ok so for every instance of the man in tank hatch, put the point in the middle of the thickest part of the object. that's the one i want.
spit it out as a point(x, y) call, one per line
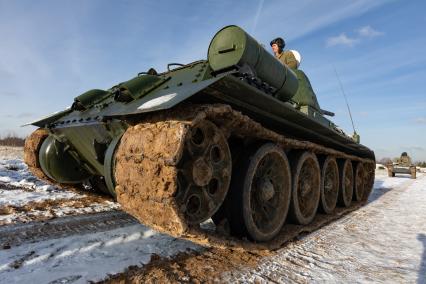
point(284, 56)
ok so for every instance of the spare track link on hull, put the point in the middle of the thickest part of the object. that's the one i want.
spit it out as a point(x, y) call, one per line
point(153, 165)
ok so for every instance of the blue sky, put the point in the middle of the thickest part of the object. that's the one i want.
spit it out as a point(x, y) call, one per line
point(52, 51)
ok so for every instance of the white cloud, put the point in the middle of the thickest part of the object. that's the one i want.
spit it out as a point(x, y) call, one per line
point(420, 120)
point(368, 31)
point(341, 39)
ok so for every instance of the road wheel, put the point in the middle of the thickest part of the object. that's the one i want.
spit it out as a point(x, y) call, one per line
point(329, 185)
point(346, 177)
point(413, 172)
point(306, 187)
point(359, 183)
point(260, 193)
point(369, 176)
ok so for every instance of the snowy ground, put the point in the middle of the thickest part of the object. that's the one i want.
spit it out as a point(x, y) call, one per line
point(24, 198)
point(385, 241)
point(80, 258)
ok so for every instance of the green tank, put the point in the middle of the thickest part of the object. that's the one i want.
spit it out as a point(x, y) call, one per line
point(403, 165)
point(238, 138)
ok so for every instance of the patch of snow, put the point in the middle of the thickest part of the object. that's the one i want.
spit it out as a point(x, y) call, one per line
point(19, 187)
point(14, 172)
point(90, 257)
point(382, 242)
point(57, 212)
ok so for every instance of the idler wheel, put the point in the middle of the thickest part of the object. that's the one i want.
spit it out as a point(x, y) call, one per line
point(329, 185)
point(260, 193)
point(346, 176)
point(306, 187)
point(359, 182)
point(204, 172)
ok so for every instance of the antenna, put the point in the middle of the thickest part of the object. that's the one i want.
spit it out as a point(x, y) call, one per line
point(355, 136)
point(346, 100)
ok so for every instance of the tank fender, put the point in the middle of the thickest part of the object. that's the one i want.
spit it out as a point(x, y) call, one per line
point(163, 99)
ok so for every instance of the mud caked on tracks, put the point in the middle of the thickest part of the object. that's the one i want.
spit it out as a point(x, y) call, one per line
point(173, 169)
point(169, 176)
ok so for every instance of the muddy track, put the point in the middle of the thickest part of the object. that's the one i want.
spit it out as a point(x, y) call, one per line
point(147, 162)
point(31, 150)
point(62, 227)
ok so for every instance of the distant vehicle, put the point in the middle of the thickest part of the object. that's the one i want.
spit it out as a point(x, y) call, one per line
point(239, 138)
point(402, 166)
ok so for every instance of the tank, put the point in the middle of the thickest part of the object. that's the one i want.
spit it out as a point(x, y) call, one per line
point(403, 165)
point(237, 138)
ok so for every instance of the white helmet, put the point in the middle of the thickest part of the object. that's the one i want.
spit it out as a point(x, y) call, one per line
point(297, 56)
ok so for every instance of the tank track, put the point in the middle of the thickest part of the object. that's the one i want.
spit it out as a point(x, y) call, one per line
point(31, 151)
point(149, 158)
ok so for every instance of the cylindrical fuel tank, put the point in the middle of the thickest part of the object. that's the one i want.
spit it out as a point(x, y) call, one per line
point(232, 46)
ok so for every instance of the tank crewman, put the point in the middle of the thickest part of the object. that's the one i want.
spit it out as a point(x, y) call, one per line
point(284, 56)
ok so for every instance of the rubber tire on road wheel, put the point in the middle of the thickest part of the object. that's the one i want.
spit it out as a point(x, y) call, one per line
point(245, 191)
point(369, 181)
point(328, 199)
point(300, 175)
point(346, 177)
point(359, 182)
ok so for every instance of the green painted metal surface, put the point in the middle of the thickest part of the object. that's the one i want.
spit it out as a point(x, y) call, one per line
point(59, 164)
point(232, 46)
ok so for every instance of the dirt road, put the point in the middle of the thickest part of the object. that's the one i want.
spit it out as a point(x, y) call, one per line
point(385, 241)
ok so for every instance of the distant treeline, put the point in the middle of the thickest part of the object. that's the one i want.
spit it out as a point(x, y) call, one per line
point(12, 140)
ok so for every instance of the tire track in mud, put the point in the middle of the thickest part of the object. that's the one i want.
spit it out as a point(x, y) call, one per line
point(16, 235)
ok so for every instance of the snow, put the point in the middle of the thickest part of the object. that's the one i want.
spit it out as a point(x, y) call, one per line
point(383, 242)
point(90, 257)
point(18, 187)
point(55, 212)
point(14, 172)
